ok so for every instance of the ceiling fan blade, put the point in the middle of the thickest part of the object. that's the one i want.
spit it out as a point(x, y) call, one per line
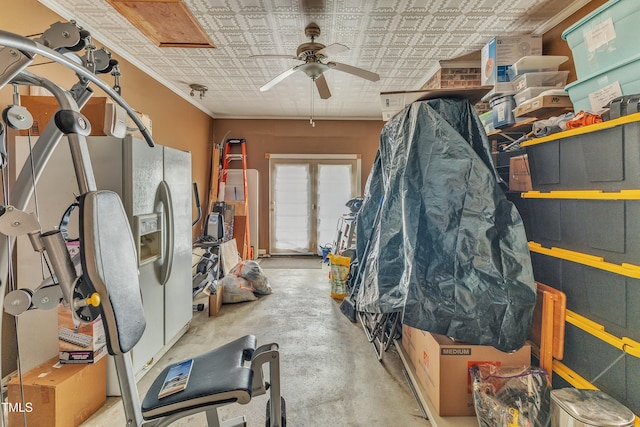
point(274, 56)
point(355, 71)
point(323, 88)
point(279, 78)
point(332, 49)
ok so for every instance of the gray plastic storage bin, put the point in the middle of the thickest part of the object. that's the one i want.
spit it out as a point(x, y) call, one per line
point(606, 228)
point(609, 299)
point(606, 159)
point(502, 108)
point(571, 407)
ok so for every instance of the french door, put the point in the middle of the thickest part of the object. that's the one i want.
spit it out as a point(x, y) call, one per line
point(307, 196)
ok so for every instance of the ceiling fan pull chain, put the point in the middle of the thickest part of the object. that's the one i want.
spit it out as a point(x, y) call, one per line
point(311, 122)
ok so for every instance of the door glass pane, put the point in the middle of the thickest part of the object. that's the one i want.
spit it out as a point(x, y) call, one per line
point(334, 190)
point(291, 197)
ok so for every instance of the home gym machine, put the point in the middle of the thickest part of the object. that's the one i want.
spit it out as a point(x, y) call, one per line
point(207, 269)
point(107, 283)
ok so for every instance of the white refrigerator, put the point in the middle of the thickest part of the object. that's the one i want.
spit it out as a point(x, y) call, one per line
point(155, 186)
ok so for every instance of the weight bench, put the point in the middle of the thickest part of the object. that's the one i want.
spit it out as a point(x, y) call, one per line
point(230, 373)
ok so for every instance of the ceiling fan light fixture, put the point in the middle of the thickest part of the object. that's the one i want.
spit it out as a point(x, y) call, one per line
point(314, 69)
point(312, 55)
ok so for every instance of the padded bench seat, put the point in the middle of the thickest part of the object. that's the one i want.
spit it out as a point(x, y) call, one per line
point(218, 376)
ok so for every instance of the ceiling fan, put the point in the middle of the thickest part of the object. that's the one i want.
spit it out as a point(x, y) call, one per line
point(314, 56)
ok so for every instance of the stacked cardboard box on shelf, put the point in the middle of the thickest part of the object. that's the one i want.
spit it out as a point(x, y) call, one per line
point(497, 57)
point(500, 53)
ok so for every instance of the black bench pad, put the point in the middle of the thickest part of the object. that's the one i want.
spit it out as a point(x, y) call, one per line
point(217, 376)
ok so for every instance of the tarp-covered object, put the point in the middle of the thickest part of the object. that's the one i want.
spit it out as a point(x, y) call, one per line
point(447, 246)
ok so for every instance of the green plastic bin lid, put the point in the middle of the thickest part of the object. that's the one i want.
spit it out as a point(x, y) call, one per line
point(592, 407)
point(589, 17)
point(609, 69)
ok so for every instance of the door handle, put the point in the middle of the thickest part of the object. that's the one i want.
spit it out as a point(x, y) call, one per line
point(167, 263)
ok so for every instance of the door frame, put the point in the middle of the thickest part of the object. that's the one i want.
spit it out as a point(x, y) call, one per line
point(308, 158)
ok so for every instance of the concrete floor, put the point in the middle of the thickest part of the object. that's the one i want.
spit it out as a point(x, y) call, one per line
point(330, 375)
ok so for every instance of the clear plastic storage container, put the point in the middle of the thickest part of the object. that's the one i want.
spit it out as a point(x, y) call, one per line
point(593, 92)
point(543, 79)
point(535, 64)
point(606, 36)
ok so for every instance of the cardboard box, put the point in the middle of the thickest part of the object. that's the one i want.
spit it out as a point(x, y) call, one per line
point(501, 52)
point(132, 128)
point(239, 230)
point(215, 302)
point(101, 112)
point(57, 395)
point(419, 358)
point(86, 344)
point(442, 369)
point(239, 207)
point(519, 173)
point(43, 108)
point(544, 106)
point(407, 344)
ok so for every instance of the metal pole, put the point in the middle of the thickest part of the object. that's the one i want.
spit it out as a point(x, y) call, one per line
point(13, 40)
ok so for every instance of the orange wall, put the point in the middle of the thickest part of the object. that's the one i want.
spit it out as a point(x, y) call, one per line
point(298, 137)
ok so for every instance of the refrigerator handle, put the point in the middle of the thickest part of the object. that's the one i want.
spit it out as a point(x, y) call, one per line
point(167, 264)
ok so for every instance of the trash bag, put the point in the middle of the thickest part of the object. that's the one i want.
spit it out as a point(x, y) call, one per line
point(511, 396)
point(254, 275)
point(448, 248)
point(236, 289)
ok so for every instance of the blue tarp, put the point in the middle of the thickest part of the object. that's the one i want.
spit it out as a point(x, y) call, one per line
point(447, 247)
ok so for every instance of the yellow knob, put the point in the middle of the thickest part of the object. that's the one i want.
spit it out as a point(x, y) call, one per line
point(515, 415)
point(94, 299)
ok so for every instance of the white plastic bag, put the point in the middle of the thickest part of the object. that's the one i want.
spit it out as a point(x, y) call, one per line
point(252, 273)
point(236, 289)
